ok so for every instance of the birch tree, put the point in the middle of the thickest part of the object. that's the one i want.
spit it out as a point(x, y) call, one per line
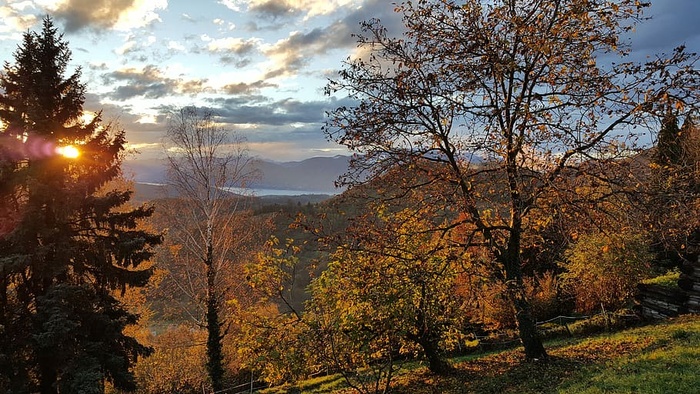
point(206, 163)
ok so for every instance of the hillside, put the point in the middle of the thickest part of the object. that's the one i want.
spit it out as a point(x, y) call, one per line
point(660, 358)
point(317, 174)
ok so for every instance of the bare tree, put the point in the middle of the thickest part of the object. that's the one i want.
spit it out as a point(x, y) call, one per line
point(521, 85)
point(206, 163)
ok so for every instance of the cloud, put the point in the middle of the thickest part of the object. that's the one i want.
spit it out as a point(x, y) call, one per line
point(106, 14)
point(233, 5)
point(289, 56)
point(150, 83)
point(127, 117)
point(224, 25)
point(176, 46)
point(127, 47)
point(235, 45)
point(296, 51)
point(272, 113)
point(243, 88)
point(284, 8)
point(98, 66)
point(272, 8)
point(232, 50)
point(13, 20)
point(135, 43)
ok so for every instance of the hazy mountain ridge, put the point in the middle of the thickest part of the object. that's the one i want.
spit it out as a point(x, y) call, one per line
point(314, 175)
point(317, 174)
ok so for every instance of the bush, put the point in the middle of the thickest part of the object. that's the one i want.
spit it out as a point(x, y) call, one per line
point(177, 364)
point(604, 269)
point(543, 293)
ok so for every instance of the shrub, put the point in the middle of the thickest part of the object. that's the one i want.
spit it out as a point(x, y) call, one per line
point(177, 364)
point(604, 269)
point(543, 293)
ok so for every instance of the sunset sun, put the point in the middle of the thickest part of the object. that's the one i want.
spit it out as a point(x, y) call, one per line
point(68, 151)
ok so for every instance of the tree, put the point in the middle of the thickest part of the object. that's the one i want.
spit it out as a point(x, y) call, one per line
point(670, 142)
point(70, 243)
point(672, 190)
point(517, 103)
point(205, 163)
point(390, 284)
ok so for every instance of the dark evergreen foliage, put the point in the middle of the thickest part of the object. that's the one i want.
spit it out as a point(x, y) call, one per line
point(669, 146)
point(66, 244)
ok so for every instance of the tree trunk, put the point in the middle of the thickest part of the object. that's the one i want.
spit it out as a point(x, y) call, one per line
point(436, 362)
point(527, 327)
point(427, 339)
point(214, 349)
point(48, 377)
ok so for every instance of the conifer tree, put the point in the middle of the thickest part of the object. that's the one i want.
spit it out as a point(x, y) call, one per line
point(669, 146)
point(672, 206)
point(66, 244)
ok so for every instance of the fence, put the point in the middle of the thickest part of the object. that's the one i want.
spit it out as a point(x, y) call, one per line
point(251, 387)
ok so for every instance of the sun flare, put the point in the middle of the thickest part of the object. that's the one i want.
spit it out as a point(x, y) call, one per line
point(68, 151)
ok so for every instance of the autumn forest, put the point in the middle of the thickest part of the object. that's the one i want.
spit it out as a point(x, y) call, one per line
point(516, 181)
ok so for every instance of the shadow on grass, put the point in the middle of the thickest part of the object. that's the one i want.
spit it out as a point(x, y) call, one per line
point(660, 358)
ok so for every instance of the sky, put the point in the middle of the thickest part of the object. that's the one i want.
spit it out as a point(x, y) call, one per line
point(261, 65)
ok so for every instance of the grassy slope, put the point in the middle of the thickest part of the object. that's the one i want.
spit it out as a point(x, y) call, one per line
point(660, 358)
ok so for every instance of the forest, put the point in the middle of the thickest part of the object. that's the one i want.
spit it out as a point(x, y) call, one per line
point(511, 185)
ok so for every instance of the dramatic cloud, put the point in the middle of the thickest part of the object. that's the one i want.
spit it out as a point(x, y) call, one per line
point(261, 64)
point(296, 51)
point(300, 49)
point(14, 21)
point(278, 113)
point(285, 8)
point(246, 89)
point(106, 14)
point(149, 83)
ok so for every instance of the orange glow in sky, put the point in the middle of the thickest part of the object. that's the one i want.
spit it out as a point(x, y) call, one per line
point(68, 151)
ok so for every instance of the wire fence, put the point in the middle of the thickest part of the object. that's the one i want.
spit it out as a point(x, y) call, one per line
point(249, 387)
point(490, 341)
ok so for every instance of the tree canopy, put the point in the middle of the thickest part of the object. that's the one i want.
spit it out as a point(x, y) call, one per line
point(514, 106)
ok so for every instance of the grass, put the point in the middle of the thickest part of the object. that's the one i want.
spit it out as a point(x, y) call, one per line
point(323, 384)
point(668, 365)
point(670, 279)
point(659, 358)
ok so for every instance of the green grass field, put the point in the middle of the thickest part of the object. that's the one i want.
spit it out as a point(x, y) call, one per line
point(659, 358)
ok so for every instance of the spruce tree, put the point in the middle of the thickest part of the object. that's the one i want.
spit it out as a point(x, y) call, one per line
point(67, 243)
point(670, 143)
point(673, 189)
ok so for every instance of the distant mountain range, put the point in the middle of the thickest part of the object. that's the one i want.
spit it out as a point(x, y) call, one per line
point(316, 175)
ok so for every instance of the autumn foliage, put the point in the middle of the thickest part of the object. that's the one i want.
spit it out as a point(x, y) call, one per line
point(499, 180)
